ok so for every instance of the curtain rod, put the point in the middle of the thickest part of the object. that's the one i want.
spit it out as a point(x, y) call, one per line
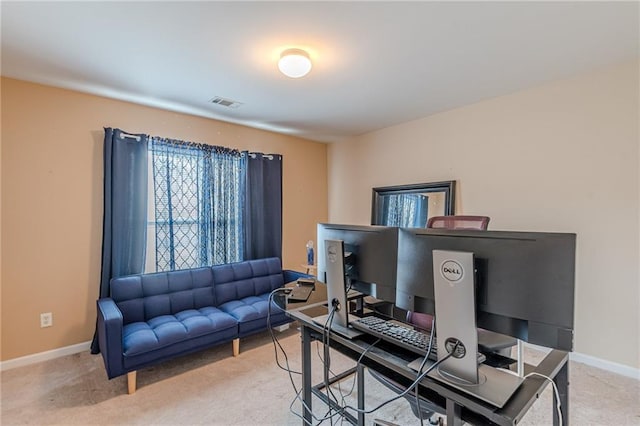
point(254, 155)
point(137, 138)
point(126, 135)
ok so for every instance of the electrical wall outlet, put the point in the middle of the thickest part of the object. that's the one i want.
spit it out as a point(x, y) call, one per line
point(46, 319)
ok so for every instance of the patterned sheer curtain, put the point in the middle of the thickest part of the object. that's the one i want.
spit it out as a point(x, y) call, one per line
point(198, 193)
point(406, 210)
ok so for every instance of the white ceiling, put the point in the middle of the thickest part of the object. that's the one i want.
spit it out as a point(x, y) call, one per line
point(376, 64)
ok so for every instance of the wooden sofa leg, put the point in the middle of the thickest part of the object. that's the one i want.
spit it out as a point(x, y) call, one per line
point(236, 347)
point(131, 382)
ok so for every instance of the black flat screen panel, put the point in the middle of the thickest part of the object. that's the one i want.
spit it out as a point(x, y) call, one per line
point(522, 278)
point(372, 257)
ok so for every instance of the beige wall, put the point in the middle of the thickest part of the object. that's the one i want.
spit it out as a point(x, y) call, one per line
point(560, 157)
point(52, 201)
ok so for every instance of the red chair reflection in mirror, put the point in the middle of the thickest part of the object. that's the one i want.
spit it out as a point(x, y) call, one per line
point(459, 222)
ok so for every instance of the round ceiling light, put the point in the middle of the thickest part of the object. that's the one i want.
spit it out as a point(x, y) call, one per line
point(294, 63)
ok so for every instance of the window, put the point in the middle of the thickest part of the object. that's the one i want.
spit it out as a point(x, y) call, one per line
point(195, 205)
point(405, 210)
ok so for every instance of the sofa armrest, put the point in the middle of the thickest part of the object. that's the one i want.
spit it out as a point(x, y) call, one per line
point(110, 324)
point(290, 275)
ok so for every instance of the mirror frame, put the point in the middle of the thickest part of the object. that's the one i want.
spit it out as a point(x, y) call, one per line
point(448, 187)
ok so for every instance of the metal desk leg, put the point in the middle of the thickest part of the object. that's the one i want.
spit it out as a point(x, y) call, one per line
point(454, 412)
point(520, 358)
point(360, 375)
point(562, 382)
point(306, 376)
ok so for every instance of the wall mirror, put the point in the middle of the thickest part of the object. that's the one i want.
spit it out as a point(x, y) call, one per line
point(412, 205)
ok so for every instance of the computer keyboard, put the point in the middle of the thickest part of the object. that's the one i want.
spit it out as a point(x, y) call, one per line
point(400, 334)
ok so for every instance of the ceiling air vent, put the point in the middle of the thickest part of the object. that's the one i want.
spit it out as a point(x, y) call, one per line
point(229, 103)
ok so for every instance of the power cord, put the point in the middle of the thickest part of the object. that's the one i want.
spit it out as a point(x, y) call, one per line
point(345, 395)
point(335, 306)
point(419, 377)
point(330, 414)
point(424, 362)
point(290, 372)
point(274, 339)
point(555, 390)
point(326, 342)
point(408, 389)
point(353, 384)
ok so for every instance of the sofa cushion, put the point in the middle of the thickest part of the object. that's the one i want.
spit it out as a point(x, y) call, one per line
point(251, 312)
point(146, 296)
point(164, 330)
point(246, 309)
point(236, 281)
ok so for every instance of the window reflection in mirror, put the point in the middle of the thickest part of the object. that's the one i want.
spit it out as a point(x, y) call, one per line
point(412, 205)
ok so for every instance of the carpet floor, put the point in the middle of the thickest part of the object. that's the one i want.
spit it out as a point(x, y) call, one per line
point(214, 388)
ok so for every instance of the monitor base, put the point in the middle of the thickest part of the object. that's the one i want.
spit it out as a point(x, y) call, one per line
point(496, 387)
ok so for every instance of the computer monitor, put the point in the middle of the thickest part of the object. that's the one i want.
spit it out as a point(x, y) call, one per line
point(333, 255)
point(524, 280)
point(371, 254)
point(337, 320)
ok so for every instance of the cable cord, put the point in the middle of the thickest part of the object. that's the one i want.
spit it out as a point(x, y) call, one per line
point(419, 377)
point(274, 339)
point(555, 390)
point(288, 369)
point(353, 384)
point(326, 361)
point(343, 396)
point(330, 414)
point(326, 337)
point(326, 342)
point(424, 362)
point(408, 389)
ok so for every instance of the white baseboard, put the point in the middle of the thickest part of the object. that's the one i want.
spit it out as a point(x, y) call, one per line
point(543, 349)
point(613, 367)
point(44, 356)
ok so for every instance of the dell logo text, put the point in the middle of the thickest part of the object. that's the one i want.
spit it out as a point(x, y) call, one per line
point(451, 271)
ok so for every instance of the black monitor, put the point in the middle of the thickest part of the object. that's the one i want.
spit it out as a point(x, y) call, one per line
point(371, 254)
point(524, 280)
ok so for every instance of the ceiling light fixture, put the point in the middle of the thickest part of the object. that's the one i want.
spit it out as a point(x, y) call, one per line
point(294, 63)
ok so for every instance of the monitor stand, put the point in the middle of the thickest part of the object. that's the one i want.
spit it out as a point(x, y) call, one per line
point(454, 289)
point(336, 291)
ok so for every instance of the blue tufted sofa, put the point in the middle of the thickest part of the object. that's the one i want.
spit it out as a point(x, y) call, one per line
point(150, 318)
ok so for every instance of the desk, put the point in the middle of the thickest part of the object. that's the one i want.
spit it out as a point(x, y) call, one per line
point(460, 407)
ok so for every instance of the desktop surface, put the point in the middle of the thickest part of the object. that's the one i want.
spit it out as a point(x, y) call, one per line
point(318, 296)
point(316, 302)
